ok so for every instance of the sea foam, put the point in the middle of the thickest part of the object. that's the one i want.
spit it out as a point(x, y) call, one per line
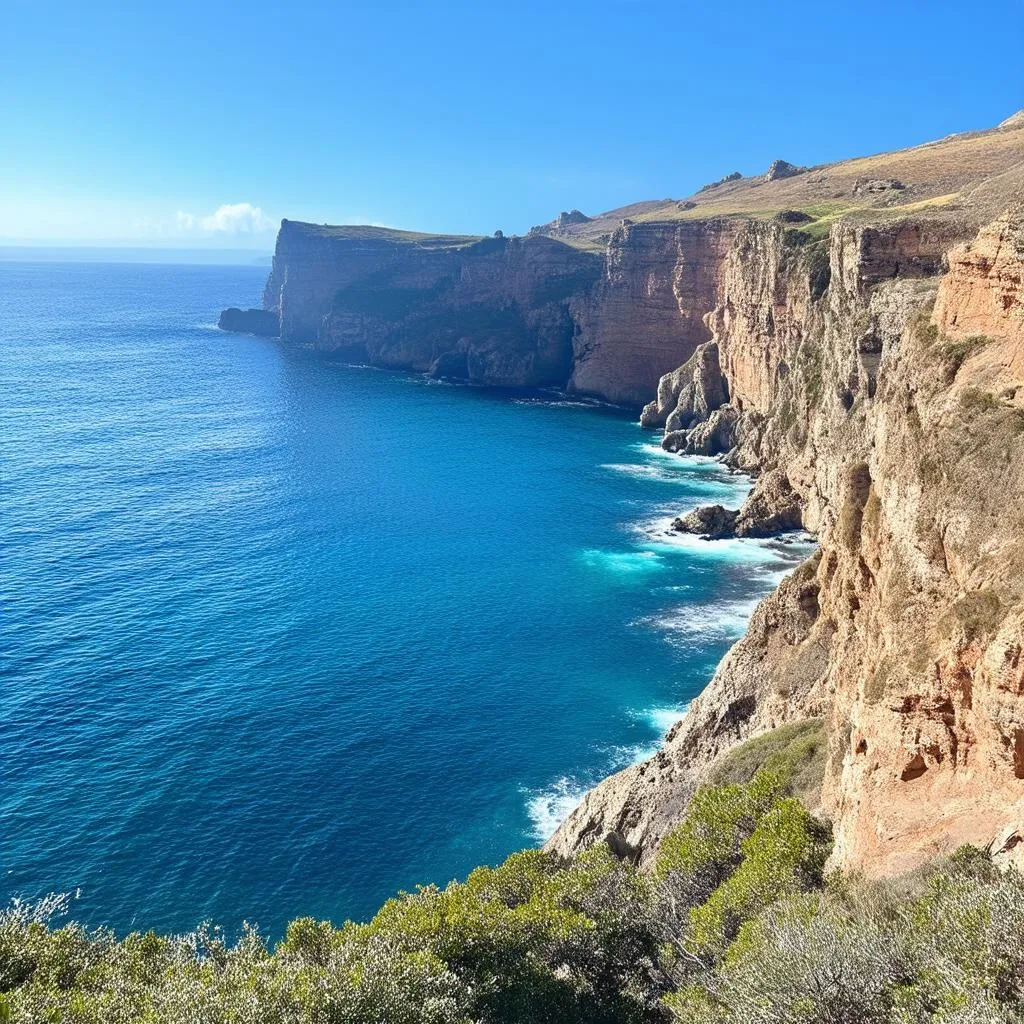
point(549, 807)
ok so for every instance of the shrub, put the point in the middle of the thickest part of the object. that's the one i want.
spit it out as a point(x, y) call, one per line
point(537, 940)
point(784, 854)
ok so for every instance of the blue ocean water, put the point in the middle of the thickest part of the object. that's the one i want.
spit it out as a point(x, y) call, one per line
point(282, 636)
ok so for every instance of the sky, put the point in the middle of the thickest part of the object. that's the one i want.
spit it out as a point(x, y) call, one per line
point(204, 123)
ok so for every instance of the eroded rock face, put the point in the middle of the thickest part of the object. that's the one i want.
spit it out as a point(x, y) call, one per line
point(646, 316)
point(690, 394)
point(897, 435)
point(984, 292)
point(495, 310)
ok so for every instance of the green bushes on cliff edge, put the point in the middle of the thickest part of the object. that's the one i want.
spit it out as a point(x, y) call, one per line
point(737, 923)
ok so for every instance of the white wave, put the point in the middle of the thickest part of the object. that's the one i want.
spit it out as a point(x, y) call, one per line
point(555, 403)
point(661, 719)
point(548, 808)
point(646, 472)
point(623, 755)
point(623, 562)
point(720, 620)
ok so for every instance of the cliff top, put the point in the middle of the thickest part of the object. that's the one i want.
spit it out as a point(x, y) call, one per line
point(971, 175)
point(372, 233)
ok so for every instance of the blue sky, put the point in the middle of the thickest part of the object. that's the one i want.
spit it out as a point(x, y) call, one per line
point(206, 122)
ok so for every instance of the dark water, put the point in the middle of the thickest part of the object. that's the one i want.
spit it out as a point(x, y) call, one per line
point(282, 636)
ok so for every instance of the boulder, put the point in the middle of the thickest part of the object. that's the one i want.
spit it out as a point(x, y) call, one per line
point(250, 321)
point(711, 522)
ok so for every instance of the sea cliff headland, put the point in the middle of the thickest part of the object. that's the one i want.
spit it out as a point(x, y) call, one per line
point(852, 333)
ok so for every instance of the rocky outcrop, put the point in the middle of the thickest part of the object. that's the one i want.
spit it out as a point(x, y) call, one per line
point(712, 522)
point(646, 315)
point(782, 169)
point(772, 508)
point(690, 394)
point(775, 674)
point(885, 411)
point(249, 321)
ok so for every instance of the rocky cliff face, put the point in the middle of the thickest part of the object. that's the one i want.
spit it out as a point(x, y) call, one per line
point(859, 344)
point(514, 311)
point(495, 310)
point(646, 315)
point(889, 393)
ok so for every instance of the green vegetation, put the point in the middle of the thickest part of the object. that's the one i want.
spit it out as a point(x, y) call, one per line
point(798, 750)
point(737, 925)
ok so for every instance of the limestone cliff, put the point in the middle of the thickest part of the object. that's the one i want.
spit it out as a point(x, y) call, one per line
point(853, 334)
point(490, 310)
point(882, 372)
point(646, 315)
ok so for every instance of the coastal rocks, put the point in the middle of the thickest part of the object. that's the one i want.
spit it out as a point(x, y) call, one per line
point(711, 522)
point(645, 318)
point(888, 436)
point(249, 321)
point(770, 677)
point(772, 508)
point(690, 394)
point(715, 436)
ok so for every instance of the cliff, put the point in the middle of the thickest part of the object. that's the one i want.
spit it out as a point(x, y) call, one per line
point(489, 310)
point(892, 402)
point(853, 334)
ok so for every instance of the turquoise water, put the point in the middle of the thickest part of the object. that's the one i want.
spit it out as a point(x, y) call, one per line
point(282, 636)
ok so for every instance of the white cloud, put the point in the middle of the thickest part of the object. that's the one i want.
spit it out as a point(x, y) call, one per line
point(184, 221)
point(233, 219)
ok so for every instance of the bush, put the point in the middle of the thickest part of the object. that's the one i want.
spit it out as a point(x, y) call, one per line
point(537, 940)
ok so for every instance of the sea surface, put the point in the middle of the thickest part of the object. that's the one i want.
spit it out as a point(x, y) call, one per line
point(282, 636)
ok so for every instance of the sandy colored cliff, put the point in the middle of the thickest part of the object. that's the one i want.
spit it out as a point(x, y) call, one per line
point(854, 335)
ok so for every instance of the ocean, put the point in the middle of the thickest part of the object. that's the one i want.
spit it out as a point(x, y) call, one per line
point(283, 636)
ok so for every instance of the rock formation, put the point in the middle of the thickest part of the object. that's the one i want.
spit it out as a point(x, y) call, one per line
point(782, 169)
point(492, 310)
point(866, 362)
point(712, 522)
point(888, 414)
point(249, 321)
